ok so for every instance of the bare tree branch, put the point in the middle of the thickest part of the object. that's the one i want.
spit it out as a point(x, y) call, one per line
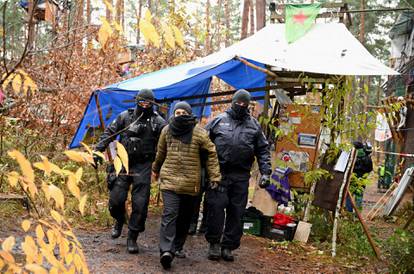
point(4, 36)
point(26, 47)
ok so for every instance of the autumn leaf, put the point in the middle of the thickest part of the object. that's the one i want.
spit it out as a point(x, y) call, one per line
point(168, 35)
point(117, 27)
point(8, 244)
point(117, 165)
point(35, 268)
point(82, 204)
point(13, 178)
point(56, 216)
point(123, 155)
point(109, 7)
point(149, 32)
point(57, 195)
point(148, 15)
point(78, 174)
point(105, 31)
point(74, 156)
point(17, 83)
point(46, 164)
point(87, 148)
point(25, 165)
point(26, 225)
point(73, 187)
point(178, 36)
point(6, 256)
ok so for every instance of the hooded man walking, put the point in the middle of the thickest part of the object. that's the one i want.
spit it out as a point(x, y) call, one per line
point(178, 165)
point(139, 129)
point(239, 139)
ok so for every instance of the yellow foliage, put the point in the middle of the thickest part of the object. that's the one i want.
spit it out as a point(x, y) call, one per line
point(123, 156)
point(13, 178)
point(168, 35)
point(25, 165)
point(17, 83)
point(26, 225)
point(105, 31)
point(178, 36)
point(74, 156)
point(7, 256)
point(20, 79)
point(82, 203)
point(59, 236)
point(56, 216)
point(148, 15)
point(73, 187)
point(57, 195)
point(117, 165)
point(8, 244)
point(78, 174)
point(149, 32)
point(109, 7)
point(35, 269)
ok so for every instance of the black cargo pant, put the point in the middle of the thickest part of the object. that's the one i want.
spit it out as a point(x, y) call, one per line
point(140, 179)
point(175, 221)
point(225, 208)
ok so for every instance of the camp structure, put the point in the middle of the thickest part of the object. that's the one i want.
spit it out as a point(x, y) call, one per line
point(326, 50)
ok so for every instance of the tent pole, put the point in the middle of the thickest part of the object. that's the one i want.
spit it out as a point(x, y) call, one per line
point(98, 106)
point(253, 66)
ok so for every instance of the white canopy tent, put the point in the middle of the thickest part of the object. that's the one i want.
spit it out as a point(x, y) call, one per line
point(326, 48)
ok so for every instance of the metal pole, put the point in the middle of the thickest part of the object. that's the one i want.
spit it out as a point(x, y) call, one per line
point(98, 106)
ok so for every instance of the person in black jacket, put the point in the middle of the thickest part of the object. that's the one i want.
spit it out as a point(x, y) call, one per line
point(239, 139)
point(139, 129)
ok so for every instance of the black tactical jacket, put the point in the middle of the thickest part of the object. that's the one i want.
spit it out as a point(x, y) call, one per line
point(140, 137)
point(238, 142)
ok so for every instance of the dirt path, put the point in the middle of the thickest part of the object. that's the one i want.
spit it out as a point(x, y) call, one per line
point(109, 256)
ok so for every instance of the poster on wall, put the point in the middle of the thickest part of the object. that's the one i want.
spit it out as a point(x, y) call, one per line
point(296, 160)
point(307, 140)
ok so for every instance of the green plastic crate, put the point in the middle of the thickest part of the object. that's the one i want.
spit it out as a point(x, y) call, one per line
point(252, 226)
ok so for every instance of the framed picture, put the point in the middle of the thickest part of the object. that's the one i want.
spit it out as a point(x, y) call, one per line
point(307, 140)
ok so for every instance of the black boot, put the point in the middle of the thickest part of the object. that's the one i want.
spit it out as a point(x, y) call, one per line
point(132, 245)
point(203, 228)
point(226, 255)
point(166, 259)
point(214, 252)
point(117, 229)
point(192, 229)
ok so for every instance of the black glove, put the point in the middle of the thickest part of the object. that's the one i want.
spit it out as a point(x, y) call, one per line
point(97, 160)
point(264, 181)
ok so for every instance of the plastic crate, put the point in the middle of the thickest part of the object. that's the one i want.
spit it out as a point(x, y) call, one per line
point(252, 226)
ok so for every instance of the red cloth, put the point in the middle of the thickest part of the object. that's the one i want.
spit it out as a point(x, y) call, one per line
point(280, 219)
point(2, 97)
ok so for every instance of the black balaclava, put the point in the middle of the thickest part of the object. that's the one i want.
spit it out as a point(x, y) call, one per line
point(181, 127)
point(144, 94)
point(239, 111)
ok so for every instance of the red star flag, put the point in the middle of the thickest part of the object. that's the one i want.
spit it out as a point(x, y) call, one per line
point(299, 19)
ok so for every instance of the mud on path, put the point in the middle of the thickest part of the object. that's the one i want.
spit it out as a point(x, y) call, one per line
point(109, 256)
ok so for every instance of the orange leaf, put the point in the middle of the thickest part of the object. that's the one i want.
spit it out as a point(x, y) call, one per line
point(25, 165)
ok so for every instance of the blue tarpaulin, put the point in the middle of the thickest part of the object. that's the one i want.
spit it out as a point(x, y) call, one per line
point(188, 79)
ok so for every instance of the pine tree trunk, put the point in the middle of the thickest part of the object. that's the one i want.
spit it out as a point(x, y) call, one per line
point(218, 27)
point(88, 22)
point(251, 18)
point(260, 14)
point(227, 22)
point(208, 34)
point(108, 12)
point(118, 10)
point(245, 18)
point(139, 18)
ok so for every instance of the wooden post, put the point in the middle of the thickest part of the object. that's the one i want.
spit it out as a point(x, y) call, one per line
point(364, 226)
point(339, 203)
point(98, 107)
